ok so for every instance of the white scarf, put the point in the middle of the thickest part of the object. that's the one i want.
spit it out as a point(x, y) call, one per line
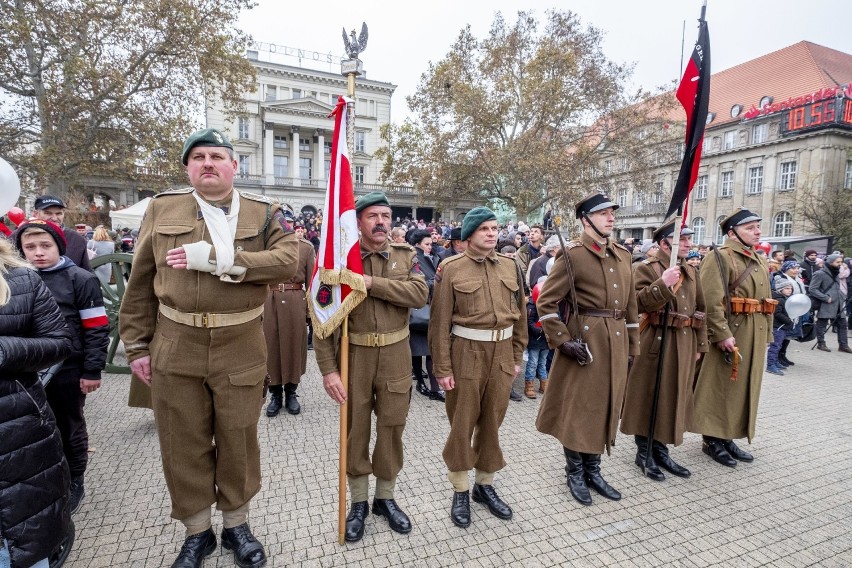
point(222, 228)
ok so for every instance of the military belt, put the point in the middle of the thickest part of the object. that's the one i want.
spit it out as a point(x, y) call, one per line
point(753, 306)
point(378, 339)
point(208, 320)
point(596, 313)
point(677, 321)
point(482, 334)
point(282, 287)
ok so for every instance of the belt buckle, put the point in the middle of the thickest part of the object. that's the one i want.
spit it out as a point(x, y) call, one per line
point(205, 320)
point(374, 340)
point(497, 335)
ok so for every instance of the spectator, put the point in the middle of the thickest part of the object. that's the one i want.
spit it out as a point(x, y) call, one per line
point(418, 338)
point(537, 349)
point(790, 272)
point(809, 266)
point(34, 514)
point(693, 259)
point(825, 289)
point(532, 249)
point(51, 208)
point(781, 322)
point(398, 235)
point(101, 244)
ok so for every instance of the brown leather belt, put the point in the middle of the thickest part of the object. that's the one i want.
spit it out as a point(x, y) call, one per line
point(596, 313)
point(208, 320)
point(676, 321)
point(753, 306)
point(378, 339)
point(282, 287)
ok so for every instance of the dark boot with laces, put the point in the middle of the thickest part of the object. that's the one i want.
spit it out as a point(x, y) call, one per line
point(195, 548)
point(275, 400)
point(248, 552)
point(290, 396)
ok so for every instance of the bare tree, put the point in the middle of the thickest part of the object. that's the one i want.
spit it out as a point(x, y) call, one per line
point(828, 211)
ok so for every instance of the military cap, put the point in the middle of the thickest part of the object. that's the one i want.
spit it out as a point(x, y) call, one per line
point(375, 198)
point(49, 227)
point(594, 202)
point(739, 217)
point(474, 218)
point(206, 137)
point(667, 231)
point(455, 234)
point(45, 201)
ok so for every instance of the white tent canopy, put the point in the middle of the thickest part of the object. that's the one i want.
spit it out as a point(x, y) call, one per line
point(130, 217)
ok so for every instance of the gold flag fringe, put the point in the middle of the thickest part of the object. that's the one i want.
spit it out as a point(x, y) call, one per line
point(355, 281)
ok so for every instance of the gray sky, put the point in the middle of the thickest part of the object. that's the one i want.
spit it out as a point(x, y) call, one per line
point(405, 37)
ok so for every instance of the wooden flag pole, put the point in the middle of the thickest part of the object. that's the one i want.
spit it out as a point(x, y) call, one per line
point(344, 419)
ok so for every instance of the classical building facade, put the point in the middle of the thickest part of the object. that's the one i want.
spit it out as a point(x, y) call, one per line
point(780, 128)
point(282, 140)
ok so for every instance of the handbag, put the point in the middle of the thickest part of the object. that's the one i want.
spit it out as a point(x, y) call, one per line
point(808, 332)
point(419, 319)
point(91, 252)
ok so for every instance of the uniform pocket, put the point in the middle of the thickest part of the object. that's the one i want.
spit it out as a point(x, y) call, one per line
point(467, 299)
point(160, 349)
point(245, 397)
point(510, 294)
point(175, 235)
point(392, 402)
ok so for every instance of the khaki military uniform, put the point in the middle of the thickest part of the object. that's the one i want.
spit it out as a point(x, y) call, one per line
point(285, 322)
point(379, 375)
point(685, 336)
point(582, 404)
point(477, 293)
point(726, 408)
point(207, 382)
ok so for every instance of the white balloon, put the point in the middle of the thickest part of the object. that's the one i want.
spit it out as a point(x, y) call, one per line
point(797, 305)
point(10, 187)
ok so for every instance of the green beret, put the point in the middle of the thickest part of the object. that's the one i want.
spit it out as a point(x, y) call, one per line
point(375, 198)
point(474, 218)
point(206, 137)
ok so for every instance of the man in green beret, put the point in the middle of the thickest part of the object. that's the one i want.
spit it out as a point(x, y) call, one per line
point(735, 280)
point(379, 366)
point(191, 325)
point(477, 336)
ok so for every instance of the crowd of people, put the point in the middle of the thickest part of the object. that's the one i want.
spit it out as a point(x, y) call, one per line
point(653, 339)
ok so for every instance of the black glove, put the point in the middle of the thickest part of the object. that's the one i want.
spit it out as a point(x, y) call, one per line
point(575, 350)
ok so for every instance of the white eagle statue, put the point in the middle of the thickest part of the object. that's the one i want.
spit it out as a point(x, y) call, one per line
point(355, 46)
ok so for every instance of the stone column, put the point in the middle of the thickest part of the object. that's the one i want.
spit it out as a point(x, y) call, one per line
point(294, 155)
point(268, 161)
point(319, 155)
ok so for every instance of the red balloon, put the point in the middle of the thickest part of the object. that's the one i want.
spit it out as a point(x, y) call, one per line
point(16, 215)
point(765, 247)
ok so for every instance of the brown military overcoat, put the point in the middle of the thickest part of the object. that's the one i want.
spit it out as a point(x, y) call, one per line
point(285, 323)
point(674, 410)
point(582, 404)
point(725, 408)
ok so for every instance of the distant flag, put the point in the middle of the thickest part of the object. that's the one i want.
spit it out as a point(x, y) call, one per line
point(694, 94)
point(337, 285)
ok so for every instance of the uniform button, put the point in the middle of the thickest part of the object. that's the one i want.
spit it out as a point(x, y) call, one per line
point(659, 338)
point(615, 285)
point(239, 249)
point(606, 255)
point(558, 333)
point(617, 333)
point(736, 325)
point(611, 270)
point(585, 328)
point(616, 302)
point(655, 288)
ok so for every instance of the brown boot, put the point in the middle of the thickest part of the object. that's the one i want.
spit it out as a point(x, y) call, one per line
point(529, 389)
point(823, 347)
point(845, 349)
point(542, 385)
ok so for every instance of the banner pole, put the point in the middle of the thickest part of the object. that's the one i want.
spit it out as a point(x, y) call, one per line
point(344, 419)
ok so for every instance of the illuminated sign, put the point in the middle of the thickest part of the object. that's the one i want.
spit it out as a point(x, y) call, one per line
point(819, 114)
point(793, 102)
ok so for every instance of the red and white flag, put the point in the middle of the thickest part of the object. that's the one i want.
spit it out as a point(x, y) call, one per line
point(337, 285)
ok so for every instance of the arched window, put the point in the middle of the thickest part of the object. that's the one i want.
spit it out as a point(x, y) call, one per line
point(783, 225)
point(720, 236)
point(699, 227)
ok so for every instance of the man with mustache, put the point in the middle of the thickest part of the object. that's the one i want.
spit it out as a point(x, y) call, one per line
point(379, 366)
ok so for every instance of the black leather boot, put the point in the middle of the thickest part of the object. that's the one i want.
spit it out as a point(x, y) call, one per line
point(594, 479)
point(576, 482)
point(715, 448)
point(460, 509)
point(195, 548)
point(485, 494)
point(736, 452)
point(355, 521)
point(648, 467)
point(290, 396)
point(397, 519)
point(248, 552)
point(661, 455)
point(276, 393)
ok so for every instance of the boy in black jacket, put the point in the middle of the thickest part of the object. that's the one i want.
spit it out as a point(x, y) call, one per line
point(78, 294)
point(781, 322)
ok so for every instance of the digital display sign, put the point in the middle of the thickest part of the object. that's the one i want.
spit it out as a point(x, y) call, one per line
point(819, 114)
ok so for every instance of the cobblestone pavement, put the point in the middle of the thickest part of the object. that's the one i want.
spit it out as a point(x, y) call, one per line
point(792, 507)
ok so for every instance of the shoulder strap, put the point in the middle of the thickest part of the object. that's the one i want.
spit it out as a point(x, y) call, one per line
point(741, 277)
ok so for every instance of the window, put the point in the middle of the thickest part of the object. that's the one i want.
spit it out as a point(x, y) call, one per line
point(657, 196)
point(638, 200)
point(297, 93)
point(758, 133)
point(360, 141)
point(271, 93)
point(327, 168)
point(788, 176)
point(623, 165)
point(327, 148)
point(607, 166)
point(730, 140)
point(244, 165)
point(304, 145)
point(720, 236)
point(280, 142)
point(701, 187)
point(783, 225)
point(281, 166)
point(359, 174)
point(622, 198)
point(305, 168)
point(680, 150)
point(698, 226)
point(726, 184)
point(847, 180)
point(755, 180)
point(242, 128)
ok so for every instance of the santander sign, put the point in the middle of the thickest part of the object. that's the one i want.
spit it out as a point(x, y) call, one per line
point(792, 102)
